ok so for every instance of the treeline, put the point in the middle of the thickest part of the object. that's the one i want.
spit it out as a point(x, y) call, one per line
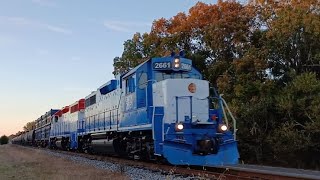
point(28, 127)
point(264, 57)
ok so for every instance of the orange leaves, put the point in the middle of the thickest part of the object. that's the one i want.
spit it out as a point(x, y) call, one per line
point(178, 23)
point(160, 27)
point(201, 14)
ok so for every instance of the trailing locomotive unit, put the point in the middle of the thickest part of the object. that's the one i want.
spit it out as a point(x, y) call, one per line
point(159, 109)
point(64, 128)
point(42, 129)
point(38, 136)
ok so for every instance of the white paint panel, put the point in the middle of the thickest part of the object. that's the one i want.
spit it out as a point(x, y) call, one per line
point(165, 93)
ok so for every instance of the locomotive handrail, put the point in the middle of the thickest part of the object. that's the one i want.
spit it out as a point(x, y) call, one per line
point(232, 117)
point(121, 92)
point(224, 103)
point(150, 80)
point(152, 120)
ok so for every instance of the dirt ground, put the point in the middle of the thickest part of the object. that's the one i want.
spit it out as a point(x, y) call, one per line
point(25, 163)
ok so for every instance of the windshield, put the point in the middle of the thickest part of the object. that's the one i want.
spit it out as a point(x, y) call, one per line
point(159, 76)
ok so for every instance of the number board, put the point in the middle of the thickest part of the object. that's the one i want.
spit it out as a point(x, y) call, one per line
point(162, 65)
point(185, 66)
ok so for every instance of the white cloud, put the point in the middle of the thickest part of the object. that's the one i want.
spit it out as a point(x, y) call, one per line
point(58, 29)
point(14, 20)
point(48, 3)
point(75, 59)
point(21, 21)
point(123, 26)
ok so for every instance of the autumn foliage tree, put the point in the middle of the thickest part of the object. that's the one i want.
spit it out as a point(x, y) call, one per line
point(258, 56)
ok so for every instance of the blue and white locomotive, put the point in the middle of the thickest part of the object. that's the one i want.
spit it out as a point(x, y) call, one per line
point(158, 110)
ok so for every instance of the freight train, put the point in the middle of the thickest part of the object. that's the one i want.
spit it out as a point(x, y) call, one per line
point(161, 109)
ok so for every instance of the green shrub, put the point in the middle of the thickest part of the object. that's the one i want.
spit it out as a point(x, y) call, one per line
point(4, 139)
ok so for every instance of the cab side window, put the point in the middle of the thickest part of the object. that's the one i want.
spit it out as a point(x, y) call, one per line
point(143, 79)
point(130, 85)
point(56, 118)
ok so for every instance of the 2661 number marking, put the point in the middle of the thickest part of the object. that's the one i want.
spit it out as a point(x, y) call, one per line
point(162, 65)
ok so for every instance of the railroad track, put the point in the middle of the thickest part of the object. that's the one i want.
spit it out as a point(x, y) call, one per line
point(235, 172)
point(269, 172)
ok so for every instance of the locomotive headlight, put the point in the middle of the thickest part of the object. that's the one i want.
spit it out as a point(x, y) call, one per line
point(176, 63)
point(179, 127)
point(223, 128)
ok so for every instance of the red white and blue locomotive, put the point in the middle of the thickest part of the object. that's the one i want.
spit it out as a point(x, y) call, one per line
point(158, 110)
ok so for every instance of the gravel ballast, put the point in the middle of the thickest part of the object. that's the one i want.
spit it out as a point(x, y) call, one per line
point(130, 171)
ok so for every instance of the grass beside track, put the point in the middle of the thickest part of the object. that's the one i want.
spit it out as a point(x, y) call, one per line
point(25, 163)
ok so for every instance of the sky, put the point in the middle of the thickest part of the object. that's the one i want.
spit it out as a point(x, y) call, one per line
point(54, 52)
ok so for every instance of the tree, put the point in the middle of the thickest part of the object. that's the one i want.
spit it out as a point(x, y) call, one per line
point(29, 126)
point(133, 54)
point(299, 102)
point(257, 55)
point(293, 33)
point(4, 139)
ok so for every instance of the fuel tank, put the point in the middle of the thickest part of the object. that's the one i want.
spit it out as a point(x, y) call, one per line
point(104, 146)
